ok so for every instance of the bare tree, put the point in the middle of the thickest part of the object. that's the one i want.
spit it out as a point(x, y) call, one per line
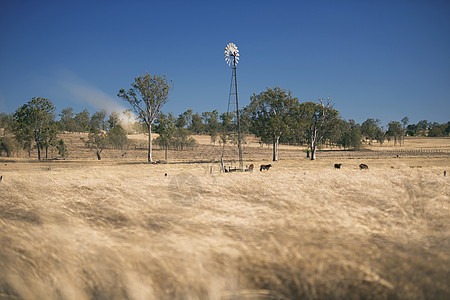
point(146, 97)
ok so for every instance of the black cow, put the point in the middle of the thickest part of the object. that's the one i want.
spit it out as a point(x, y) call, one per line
point(337, 166)
point(265, 167)
point(363, 167)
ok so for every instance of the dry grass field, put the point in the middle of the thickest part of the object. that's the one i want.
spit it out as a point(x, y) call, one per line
point(121, 229)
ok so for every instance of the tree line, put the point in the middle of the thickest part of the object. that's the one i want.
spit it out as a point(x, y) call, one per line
point(273, 115)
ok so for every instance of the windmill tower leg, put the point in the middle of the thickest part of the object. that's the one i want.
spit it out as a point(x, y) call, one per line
point(239, 135)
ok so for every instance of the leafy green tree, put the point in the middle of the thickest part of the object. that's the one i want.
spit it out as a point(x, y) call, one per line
point(436, 131)
point(82, 120)
point(97, 121)
point(6, 121)
point(117, 137)
point(166, 129)
point(113, 120)
point(62, 149)
point(405, 121)
point(338, 128)
point(197, 124)
point(317, 121)
point(412, 130)
point(97, 141)
point(380, 136)
point(147, 96)
point(369, 129)
point(395, 131)
point(355, 135)
point(226, 121)
point(271, 112)
point(184, 119)
point(67, 120)
point(8, 144)
point(181, 139)
point(211, 121)
point(422, 127)
point(344, 135)
point(49, 137)
point(33, 121)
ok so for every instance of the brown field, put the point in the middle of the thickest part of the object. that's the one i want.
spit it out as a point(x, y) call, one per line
point(120, 229)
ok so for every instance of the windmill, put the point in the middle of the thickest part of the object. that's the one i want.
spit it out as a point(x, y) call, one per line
point(232, 59)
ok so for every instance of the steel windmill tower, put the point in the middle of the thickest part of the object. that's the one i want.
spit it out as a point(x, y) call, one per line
point(232, 59)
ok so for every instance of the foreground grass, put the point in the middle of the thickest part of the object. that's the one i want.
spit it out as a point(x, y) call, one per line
point(301, 230)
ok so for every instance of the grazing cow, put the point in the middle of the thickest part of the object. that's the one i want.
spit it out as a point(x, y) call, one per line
point(1, 178)
point(251, 167)
point(363, 167)
point(265, 167)
point(337, 166)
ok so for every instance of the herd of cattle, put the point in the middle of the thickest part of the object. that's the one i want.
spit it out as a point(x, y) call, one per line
point(361, 166)
point(336, 166)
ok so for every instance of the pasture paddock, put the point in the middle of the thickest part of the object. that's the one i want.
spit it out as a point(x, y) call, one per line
point(253, 151)
point(124, 230)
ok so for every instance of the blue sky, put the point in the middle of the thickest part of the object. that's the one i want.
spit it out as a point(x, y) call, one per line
point(377, 59)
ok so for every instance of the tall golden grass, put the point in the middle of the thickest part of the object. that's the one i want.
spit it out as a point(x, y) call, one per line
point(302, 230)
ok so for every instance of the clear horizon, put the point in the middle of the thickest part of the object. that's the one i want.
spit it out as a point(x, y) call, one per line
point(383, 60)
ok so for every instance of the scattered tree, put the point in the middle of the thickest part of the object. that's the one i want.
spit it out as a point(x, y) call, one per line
point(97, 141)
point(212, 125)
point(196, 124)
point(380, 136)
point(369, 129)
point(351, 137)
point(395, 131)
point(82, 120)
point(113, 120)
point(319, 118)
point(271, 113)
point(405, 121)
point(33, 121)
point(146, 97)
point(97, 121)
point(8, 144)
point(49, 137)
point(67, 121)
point(62, 149)
point(6, 121)
point(185, 119)
point(117, 137)
point(166, 129)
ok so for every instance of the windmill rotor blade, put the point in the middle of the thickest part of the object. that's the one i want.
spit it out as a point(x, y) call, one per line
point(231, 50)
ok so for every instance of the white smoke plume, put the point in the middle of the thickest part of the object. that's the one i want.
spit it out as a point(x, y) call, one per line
point(85, 93)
